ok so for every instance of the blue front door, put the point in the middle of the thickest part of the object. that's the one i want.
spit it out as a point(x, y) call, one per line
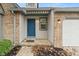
point(31, 27)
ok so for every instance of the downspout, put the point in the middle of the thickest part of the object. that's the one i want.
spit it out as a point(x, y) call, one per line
point(14, 28)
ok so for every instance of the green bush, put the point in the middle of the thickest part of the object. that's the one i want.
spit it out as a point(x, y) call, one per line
point(5, 46)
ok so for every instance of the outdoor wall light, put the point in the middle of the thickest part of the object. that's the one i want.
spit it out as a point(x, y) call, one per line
point(58, 21)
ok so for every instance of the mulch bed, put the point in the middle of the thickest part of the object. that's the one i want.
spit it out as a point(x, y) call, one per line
point(48, 51)
point(14, 51)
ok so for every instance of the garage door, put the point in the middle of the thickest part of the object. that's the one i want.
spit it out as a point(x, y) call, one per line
point(70, 32)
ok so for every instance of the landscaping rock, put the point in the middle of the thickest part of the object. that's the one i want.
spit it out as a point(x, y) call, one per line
point(48, 51)
point(14, 51)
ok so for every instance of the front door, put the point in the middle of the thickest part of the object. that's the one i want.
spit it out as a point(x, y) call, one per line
point(31, 27)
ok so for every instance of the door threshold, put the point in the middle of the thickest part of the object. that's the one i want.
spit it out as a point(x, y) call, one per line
point(30, 39)
point(30, 36)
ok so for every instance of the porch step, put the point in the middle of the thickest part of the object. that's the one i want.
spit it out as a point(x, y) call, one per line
point(36, 42)
point(29, 40)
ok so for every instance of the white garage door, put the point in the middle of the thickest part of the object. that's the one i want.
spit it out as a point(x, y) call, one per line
point(70, 32)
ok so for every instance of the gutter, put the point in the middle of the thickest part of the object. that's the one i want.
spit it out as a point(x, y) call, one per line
point(14, 28)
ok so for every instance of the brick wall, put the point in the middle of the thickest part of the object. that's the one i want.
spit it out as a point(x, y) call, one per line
point(8, 22)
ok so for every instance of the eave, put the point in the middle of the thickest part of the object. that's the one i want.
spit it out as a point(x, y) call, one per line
point(66, 9)
point(37, 11)
point(32, 11)
point(18, 10)
point(44, 11)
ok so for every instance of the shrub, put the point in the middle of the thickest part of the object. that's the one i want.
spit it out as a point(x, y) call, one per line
point(5, 46)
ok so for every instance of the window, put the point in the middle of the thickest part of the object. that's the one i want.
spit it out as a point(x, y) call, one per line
point(43, 24)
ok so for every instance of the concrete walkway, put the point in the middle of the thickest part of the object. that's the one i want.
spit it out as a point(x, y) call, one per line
point(25, 51)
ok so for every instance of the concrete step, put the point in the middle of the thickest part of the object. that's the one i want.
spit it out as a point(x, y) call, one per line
point(36, 42)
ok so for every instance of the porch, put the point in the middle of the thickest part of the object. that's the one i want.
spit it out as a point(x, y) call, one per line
point(38, 25)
